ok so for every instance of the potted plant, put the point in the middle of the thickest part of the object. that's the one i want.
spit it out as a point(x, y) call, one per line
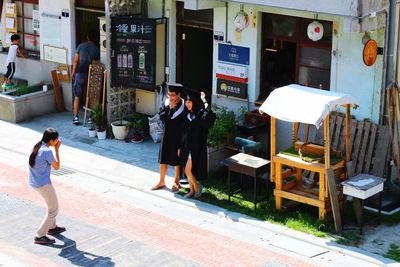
point(219, 136)
point(92, 131)
point(138, 124)
point(99, 120)
point(119, 127)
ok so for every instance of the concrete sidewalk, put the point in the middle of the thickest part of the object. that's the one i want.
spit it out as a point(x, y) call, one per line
point(135, 166)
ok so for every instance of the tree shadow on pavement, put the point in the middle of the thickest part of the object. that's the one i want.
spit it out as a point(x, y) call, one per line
point(78, 257)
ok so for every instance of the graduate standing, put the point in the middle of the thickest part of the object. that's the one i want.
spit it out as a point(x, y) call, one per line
point(172, 115)
point(198, 119)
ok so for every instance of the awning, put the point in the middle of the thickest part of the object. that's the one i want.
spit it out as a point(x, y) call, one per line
point(296, 103)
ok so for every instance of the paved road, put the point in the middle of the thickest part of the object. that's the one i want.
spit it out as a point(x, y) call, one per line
point(114, 219)
point(103, 231)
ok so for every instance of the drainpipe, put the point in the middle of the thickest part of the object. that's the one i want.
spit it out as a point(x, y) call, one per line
point(108, 55)
point(389, 70)
point(226, 22)
point(396, 69)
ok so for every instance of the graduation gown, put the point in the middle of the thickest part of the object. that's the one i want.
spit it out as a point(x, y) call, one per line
point(194, 141)
point(172, 135)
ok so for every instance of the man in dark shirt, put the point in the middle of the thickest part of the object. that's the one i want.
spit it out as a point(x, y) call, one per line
point(84, 55)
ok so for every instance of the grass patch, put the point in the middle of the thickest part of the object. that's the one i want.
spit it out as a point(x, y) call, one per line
point(393, 253)
point(304, 220)
point(391, 219)
point(350, 238)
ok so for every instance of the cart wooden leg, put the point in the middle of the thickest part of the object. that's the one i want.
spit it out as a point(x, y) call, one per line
point(278, 185)
point(299, 176)
point(322, 213)
point(322, 189)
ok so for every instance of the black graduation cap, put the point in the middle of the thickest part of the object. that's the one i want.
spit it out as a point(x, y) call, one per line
point(175, 87)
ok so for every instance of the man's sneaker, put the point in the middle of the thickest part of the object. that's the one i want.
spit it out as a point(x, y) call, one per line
point(184, 181)
point(56, 230)
point(75, 120)
point(44, 240)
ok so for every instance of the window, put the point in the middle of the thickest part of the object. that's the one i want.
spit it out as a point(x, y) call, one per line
point(30, 39)
point(201, 18)
point(289, 56)
point(315, 67)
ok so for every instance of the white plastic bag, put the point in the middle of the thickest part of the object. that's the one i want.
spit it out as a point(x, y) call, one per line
point(156, 128)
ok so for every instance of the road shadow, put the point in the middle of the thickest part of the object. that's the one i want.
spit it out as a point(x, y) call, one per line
point(78, 257)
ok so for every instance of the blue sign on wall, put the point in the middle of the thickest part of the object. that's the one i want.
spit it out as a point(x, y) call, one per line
point(234, 54)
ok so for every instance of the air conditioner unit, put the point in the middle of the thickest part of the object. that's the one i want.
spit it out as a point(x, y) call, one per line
point(103, 43)
point(102, 25)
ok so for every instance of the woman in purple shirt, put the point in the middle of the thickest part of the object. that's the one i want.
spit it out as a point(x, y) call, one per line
point(40, 162)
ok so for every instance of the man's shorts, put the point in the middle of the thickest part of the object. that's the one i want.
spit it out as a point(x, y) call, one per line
point(79, 84)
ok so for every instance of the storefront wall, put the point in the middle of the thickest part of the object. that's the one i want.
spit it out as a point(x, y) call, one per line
point(348, 72)
point(35, 71)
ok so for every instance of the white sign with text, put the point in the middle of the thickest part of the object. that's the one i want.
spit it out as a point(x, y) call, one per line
point(232, 70)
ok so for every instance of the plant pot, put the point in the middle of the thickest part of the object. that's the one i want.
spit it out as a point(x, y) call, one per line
point(137, 138)
point(119, 129)
point(101, 135)
point(92, 133)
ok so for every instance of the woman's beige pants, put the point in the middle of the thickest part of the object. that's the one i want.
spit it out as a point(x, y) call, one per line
point(50, 197)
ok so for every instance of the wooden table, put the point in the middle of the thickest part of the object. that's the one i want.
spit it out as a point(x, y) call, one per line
point(246, 165)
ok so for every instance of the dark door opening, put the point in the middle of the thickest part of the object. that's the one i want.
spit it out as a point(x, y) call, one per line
point(279, 64)
point(194, 58)
point(194, 48)
point(87, 18)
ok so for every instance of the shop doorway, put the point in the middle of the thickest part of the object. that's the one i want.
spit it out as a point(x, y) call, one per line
point(87, 13)
point(194, 49)
point(289, 56)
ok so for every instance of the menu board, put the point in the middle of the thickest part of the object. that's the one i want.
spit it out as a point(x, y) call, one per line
point(134, 52)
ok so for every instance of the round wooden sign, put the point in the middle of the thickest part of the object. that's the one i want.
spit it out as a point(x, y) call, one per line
point(370, 52)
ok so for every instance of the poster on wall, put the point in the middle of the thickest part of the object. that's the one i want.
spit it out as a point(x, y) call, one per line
point(231, 88)
point(234, 54)
point(55, 54)
point(52, 34)
point(134, 50)
point(35, 20)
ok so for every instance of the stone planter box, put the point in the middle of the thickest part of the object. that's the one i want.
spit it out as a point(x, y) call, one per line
point(19, 108)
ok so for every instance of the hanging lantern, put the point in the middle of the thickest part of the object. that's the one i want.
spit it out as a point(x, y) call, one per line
point(315, 31)
point(241, 20)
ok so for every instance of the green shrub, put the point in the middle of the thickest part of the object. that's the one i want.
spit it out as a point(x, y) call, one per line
point(99, 117)
point(138, 122)
point(223, 128)
point(25, 89)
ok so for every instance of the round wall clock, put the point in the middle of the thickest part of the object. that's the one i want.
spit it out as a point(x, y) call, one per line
point(370, 52)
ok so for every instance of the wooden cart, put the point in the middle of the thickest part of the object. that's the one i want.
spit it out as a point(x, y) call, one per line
point(287, 103)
